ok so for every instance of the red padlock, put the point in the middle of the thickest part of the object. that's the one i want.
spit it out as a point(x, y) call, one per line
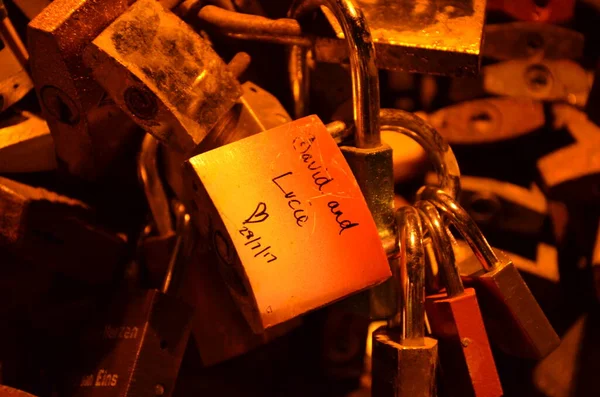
point(465, 355)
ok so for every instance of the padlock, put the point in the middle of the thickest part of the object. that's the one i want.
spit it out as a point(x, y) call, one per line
point(135, 344)
point(45, 227)
point(14, 78)
point(161, 73)
point(489, 120)
point(455, 319)
point(266, 268)
point(404, 360)
point(439, 40)
point(90, 133)
point(515, 40)
point(576, 182)
point(550, 80)
point(514, 320)
point(535, 11)
point(6, 391)
point(26, 144)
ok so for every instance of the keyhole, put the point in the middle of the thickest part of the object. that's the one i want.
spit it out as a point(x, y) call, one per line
point(483, 207)
point(59, 105)
point(538, 77)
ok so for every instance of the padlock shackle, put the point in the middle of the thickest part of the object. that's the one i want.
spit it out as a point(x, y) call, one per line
point(154, 191)
point(181, 249)
point(465, 225)
point(439, 151)
point(364, 72)
point(442, 245)
point(411, 276)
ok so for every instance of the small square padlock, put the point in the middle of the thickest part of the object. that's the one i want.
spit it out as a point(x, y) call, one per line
point(287, 220)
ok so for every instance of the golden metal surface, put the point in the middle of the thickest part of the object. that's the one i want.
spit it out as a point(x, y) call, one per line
point(425, 37)
point(543, 80)
point(488, 120)
point(14, 78)
point(296, 218)
point(26, 144)
point(165, 76)
point(89, 131)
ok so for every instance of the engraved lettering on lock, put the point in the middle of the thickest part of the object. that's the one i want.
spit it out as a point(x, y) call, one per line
point(302, 146)
point(87, 380)
point(120, 332)
point(106, 379)
point(343, 223)
point(293, 202)
point(259, 215)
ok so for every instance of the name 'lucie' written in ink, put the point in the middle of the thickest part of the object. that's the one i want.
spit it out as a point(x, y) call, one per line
point(320, 177)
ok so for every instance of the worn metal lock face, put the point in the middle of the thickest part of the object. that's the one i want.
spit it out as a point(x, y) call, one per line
point(14, 78)
point(45, 227)
point(89, 131)
point(488, 120)
point(430, 38)
point(513, 318)
point(455, 320)
point(578, 181)
point(516, 40)
point(135, 349)
point(549, 80)
point(262, 216)
point(26, 144)
point(163, 75)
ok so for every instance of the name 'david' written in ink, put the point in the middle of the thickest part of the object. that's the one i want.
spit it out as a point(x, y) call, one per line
point(320, 178)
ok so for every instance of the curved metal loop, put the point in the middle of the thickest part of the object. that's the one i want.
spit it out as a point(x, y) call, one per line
point(411, 275)
point(442, 245)
point(465, 225)
point(365, 76)
point(154, 191)
point(181, 250)
point(439, 151)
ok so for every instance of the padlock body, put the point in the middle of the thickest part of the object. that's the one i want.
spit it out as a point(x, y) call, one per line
point(373, 169)
point(176, 91)
point(465, 355)
point(513, 319)
point(402, 371)
point(287, 220)
point(133, 348)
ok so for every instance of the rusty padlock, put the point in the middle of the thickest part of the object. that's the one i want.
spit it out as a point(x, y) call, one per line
point(161, 73)
point(14, 78)
point(514, 320)
point(465, 355)
point(136, 343)
point(404, 360)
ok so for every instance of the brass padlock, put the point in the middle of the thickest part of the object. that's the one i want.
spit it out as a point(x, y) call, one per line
point(466, 358)
point(404, 360)
point(60, 232)
point(301, 187)
point(14, 78)
point(26, 144)
point(90, 132)
point(514, 320)
point(161, 73)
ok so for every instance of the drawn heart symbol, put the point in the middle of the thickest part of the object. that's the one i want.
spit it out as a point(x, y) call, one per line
point(259, 214)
